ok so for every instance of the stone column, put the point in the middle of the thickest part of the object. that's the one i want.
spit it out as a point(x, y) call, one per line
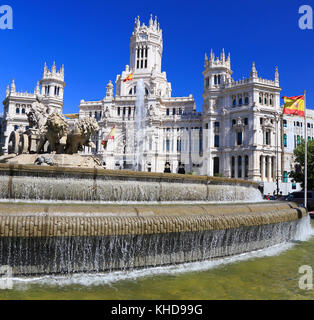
point(262, 168)
point(269, 168)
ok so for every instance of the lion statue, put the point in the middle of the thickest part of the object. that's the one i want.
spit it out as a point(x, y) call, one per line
point(80, 135)
point(55, 132)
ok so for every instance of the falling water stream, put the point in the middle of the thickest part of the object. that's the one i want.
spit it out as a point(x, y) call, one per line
point(139, 125)
point(269, 273)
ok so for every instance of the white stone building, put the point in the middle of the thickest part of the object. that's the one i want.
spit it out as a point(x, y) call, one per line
point(49, 90)
point(239, 134)
point(171, 122)
point(292, 135)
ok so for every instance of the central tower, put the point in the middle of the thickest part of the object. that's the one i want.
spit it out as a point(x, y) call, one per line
point(146, 47)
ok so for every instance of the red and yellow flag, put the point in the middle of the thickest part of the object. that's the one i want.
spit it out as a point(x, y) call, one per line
point(294, 105)
point(128, 78)
point(110, 136)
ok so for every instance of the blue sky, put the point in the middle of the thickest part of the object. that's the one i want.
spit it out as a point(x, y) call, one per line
point(91, 38)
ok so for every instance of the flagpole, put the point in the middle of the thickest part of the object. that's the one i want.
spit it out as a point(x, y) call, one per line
point(305, 155)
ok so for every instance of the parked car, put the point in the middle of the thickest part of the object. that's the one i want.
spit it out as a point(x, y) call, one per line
point(298, 197)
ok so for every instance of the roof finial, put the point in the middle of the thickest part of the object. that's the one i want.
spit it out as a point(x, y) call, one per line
point(13, 86)
point(253, 73)
point(151, 20)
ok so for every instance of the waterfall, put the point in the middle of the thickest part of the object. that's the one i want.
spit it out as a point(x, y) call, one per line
point(140, 115)
point(63, 255)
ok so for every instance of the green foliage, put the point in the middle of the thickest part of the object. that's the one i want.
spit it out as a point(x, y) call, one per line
point(298, 174)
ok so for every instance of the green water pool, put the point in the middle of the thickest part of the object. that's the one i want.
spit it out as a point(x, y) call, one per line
point(268, 274)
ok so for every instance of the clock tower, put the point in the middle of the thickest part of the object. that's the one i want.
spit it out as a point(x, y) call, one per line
point(146, 47)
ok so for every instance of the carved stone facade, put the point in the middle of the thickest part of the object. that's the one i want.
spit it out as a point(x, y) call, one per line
point(240, 133)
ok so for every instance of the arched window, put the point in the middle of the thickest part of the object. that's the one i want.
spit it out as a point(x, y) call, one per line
point(285, 140)
point(240, 101)
point(23, 111)
point(16, 127)
point(146, 91)
point(298, 140)
point(17, 110)
point(234, 102)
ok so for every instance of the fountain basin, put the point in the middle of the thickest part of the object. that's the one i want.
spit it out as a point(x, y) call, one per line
point(42, 239)
point(28, 182)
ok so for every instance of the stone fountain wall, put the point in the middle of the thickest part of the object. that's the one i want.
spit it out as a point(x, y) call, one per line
point(26, 182)
point(41, 239)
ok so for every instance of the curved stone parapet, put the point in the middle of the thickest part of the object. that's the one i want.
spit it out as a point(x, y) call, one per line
point(41, 239)
point(79, 221)
point(78, 184)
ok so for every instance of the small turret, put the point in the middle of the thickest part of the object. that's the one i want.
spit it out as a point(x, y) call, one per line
point(276, 76)
point(109, 92)
point(13, 86)
point(222, 56)
point(206, 60)
point(7, 92)
point(253, 73)
point(37, 89)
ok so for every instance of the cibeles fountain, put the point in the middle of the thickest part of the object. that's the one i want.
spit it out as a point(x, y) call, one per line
point(62, 213)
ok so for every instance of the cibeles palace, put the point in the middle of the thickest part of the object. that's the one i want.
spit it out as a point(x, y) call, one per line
point(240, 133)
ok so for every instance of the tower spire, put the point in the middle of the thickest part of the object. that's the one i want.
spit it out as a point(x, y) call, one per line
point(7, 92)
point(212, 55)
point(37, 89)
point(151, 20)
point(276, 76)
point(13, 86)
point(253, 73)
point(222, 55)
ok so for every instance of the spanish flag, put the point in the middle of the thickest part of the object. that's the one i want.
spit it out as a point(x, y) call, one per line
point(128, 78)
point(110, 136)
point(294, 105)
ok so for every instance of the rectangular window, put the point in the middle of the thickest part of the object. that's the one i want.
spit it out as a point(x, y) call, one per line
point(179, 145)
point(267, 138)
point(246, 121)
point(173, 111)
point(285, 123)
point(168, 112)
point(216, 142)
point(167, 145)
point(239, 138)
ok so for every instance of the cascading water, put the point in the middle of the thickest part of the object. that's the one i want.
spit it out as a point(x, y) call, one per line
point(139, 133)
point(63, 255)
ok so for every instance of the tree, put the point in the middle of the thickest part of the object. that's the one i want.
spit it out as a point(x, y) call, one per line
point(298, 174)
